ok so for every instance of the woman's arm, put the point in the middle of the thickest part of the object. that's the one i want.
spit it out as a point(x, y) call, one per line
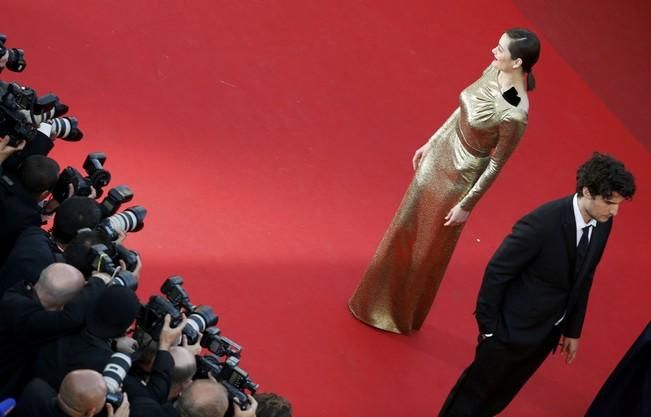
point(510, 132)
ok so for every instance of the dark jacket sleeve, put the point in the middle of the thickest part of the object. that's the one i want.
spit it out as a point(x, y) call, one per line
point(30, 255)
point(577, 312)
point(41, 144)
point(42, 326)
point(158, 386)
point(513, 255)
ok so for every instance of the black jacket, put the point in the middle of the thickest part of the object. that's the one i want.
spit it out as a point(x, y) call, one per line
point(78, 351)
point(37, 400)
point(18, 210)
point(157, 385)
point(25, 326)
point(33, 251)
point(530, 282)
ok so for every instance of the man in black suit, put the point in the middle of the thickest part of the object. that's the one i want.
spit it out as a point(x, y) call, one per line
point(535, 289)
point(32, 315)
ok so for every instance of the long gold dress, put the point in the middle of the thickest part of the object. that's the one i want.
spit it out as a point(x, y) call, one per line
point(464, 158)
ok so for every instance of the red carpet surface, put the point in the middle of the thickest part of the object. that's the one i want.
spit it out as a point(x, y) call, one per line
point(271, 143)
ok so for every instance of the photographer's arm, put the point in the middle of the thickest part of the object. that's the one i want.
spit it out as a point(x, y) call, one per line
point(6, 151)
point(161, 373)
point(42, 326)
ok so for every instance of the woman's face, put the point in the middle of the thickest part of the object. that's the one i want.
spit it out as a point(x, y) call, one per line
point(503, 61)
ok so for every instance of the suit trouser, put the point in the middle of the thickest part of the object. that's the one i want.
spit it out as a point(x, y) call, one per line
point(492, 380)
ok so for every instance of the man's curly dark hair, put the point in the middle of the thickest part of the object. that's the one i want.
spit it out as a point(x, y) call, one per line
point(603, 175)
point(272, 405)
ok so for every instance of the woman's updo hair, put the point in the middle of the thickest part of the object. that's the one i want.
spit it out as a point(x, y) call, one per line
point(526, 46)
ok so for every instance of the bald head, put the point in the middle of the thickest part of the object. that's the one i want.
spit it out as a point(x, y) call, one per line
point(58, 284)
point(82, 393)
point(203, 398)
point(185, 366)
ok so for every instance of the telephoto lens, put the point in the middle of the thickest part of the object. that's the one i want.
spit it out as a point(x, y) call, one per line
point(129, 220)
point(201, 317)
point(115, 371)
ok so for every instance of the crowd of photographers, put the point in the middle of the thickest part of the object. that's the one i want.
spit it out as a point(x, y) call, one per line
point(75, 340)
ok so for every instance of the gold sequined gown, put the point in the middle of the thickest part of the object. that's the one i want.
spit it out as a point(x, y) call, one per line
point(465, 156)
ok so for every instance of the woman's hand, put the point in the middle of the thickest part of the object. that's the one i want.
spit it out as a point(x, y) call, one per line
point(456, 216)
point(418, 156)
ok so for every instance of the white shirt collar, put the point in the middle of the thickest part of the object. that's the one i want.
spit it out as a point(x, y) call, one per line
point(578, 218)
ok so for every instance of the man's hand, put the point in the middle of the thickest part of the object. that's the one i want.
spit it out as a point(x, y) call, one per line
point(126, 345)
point(249, 412)
point(195, 348)
point(6, 151)
point(170, 336)
point(569, 346)
point(122, 411)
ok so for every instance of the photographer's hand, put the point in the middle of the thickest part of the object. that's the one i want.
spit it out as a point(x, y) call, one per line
point(249, 412)
point(6, 151)
point(195, 348)
point(122, 411)
point(126, 345)
point(170, 336)
point(103, 276)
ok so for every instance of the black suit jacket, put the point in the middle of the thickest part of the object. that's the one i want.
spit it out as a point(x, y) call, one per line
point(531, 283)
point(38, 400)
point(25, 326)
point(18, 211)
point(33, 251)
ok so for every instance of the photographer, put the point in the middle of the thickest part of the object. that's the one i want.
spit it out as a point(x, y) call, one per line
point(202, 398)
point(21, 193)
point(82, 394)
point(112, 312)
point(147, 369)
point(33, 315)
point(35, 249)
point(156, 380)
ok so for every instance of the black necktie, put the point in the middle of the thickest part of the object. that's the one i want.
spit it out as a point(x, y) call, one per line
point(582, 249)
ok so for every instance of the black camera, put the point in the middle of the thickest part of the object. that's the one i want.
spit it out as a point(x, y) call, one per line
point(199, 318)
point(101, 261)
point(114, 373)
point(15, 60)
point(114, 200)
point(22, 110)
point(97, 178)
point(174, 291)
point(13, 122)
point(218, 344)
point(230, 375)
point(151, 317)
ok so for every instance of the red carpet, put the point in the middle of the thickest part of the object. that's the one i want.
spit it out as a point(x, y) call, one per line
point(271, 143)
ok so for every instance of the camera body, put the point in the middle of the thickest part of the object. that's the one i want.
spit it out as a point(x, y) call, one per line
point(218, 344)
point(101, 260)
point(97, 178)
point(16, 59)
point(21, 111)
point(151, 317)
point(228, 373)
point(114, 200)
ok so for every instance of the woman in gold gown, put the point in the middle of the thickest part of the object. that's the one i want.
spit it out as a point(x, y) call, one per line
point(453, 170)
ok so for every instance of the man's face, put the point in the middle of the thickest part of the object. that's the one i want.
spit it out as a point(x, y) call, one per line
point(599, 208)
